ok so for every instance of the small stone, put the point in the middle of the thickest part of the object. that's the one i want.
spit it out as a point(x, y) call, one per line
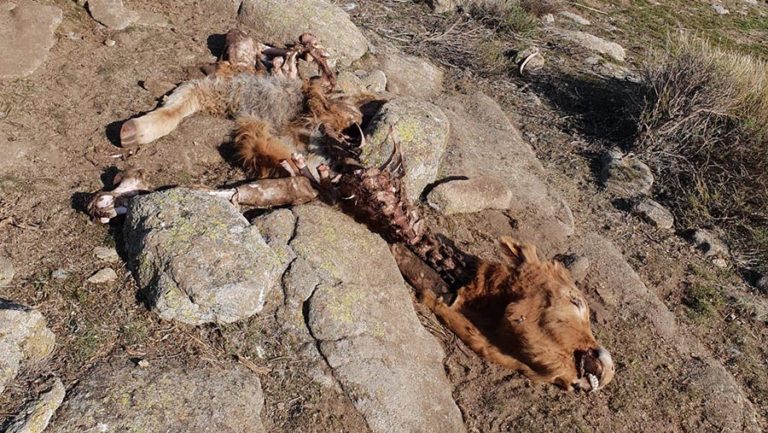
point(592, 60)
point(762, 283)
point(6, 271)
point(577, 265)
point(60, 274)
point(625, 175)
point(720, 9)
point(470, 195)
point(654, 213)
point(548, 18)
point(106, 254)
point(709, 243)
point(110, 42)
point(105, 275)
point(720, 262)
point(143, 363)
point(34, 418)
point(578, 19)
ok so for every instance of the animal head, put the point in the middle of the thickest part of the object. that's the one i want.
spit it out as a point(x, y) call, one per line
point(547, 322)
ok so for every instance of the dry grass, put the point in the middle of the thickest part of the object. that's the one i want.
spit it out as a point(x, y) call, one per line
point(504, 15)
point(541, 7)
point(705, 130)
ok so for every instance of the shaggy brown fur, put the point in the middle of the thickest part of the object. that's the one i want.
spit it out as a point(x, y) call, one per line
point(524, 314)
point(276, 115)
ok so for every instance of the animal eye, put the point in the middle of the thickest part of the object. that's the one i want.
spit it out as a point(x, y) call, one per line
point(578, 303)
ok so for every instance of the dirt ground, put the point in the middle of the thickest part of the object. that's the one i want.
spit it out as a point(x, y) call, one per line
point(62, 125)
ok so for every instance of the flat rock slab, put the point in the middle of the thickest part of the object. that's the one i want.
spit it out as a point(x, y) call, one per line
point(24, 339)
point(360, 312)
point(127, 398)
point(282, 21)
point(27, 33)
point(112, 13)
point(594, 43)
point(470, 195)
point(102, 276)
point(422, 130)
point(197, 258)
point(484, 142)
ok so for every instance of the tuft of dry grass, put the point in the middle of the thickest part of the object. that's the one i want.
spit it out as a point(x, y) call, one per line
point(704, 128)
point(541, 7)
point(504, 15)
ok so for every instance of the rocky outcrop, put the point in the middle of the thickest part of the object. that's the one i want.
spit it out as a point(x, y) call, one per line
point(281, 21)
point(484, 142)
point(197, 259)
point(360, 312)
point(24, 339)
point(422, 130)
point(127, 398)
point(27, 33)
point(35, 416)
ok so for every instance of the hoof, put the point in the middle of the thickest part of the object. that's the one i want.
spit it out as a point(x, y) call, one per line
point(129, 134)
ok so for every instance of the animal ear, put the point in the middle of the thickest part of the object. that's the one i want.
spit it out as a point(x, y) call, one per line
point(518, 252)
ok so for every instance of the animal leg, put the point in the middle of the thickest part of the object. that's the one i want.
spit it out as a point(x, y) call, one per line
point(258, 150)
point(183, 102)
point(475, 340)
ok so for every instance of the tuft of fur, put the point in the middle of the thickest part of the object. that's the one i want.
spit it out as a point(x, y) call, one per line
point(335, 112)
point(273, 99)
point(257, 148)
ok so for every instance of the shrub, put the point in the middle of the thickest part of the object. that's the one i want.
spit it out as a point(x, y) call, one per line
point(704, 129)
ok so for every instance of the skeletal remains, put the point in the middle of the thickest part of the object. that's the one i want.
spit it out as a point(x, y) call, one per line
point(301, 139)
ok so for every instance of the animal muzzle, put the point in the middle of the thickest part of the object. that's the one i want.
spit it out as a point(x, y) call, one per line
point(595, 369)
